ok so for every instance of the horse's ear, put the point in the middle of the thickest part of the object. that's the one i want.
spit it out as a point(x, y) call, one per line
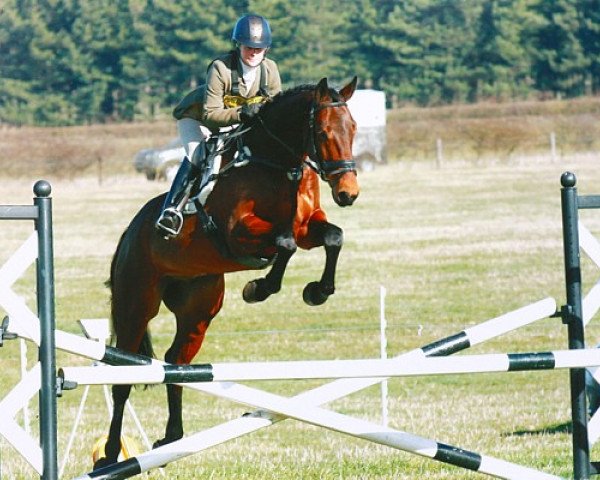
point(322, 90)
point(348, 90)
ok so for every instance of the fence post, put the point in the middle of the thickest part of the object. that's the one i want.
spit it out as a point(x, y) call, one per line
point(553, 147)
point(439, 153)
point(47, 353)
point(573, 317)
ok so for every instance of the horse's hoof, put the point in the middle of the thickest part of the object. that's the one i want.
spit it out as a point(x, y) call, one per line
point(160, 443)
point(255, 291)
point(313, 295)
point(102, 462)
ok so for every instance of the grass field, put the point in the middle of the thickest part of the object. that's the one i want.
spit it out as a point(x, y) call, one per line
point(453, 247)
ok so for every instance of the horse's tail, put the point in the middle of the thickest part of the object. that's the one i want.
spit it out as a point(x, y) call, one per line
point(145, 347)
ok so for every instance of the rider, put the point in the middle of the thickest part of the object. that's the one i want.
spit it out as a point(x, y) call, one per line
point(236, 85)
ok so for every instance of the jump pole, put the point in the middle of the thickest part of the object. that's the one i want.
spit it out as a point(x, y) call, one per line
point(265, 417)
point(41, 214)
point(327, 369)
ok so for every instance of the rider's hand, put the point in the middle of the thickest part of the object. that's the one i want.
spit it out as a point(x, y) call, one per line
point(249, 111)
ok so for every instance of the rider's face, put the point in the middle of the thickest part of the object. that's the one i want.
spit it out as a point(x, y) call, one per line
point(252, 56)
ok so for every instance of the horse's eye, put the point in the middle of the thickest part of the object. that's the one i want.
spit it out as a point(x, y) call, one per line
point(322, 136)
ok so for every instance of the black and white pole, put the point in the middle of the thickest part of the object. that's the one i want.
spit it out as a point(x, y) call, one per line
point(314, 369)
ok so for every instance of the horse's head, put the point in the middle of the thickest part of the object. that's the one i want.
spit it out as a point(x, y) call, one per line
point(311, 121)
point(331, 132)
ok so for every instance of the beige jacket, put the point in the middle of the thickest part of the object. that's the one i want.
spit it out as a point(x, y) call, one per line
point(206, 104)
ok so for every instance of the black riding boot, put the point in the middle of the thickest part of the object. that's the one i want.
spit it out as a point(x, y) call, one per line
point(171, 218)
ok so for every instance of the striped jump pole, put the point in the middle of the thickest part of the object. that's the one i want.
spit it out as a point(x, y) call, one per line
point(326, 369)
point(265, 416)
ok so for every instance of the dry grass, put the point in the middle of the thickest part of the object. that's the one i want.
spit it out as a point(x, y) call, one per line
point(482, 133)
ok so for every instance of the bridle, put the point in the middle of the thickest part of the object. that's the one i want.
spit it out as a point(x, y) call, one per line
point(324, 167)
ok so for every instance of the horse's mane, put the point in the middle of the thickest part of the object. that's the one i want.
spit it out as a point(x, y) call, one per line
point(300, 89)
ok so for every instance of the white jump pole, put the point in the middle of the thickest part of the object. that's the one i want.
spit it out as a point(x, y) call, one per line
point(315, 369)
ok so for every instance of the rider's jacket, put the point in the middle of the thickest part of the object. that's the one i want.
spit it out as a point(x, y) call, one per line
point(218, 102)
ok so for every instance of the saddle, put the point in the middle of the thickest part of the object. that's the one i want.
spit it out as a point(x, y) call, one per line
point(211, 171)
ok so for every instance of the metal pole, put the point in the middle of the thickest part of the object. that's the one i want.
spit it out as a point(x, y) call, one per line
point(47, 353)
point(573, 317)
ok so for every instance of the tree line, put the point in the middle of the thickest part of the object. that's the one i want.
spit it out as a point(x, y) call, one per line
point(67, 62)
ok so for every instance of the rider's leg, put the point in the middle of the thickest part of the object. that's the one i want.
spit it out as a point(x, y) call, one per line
point(192, 135)
point(171, 219)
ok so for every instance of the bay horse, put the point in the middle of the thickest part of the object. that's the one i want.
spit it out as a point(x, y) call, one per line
point(265, 204)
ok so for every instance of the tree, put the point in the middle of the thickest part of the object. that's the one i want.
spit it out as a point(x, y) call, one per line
point(181, 38)
point(558, 59)
point(589, 35)
point(309, 38)
point(425, 41)
point(497, 62)
point(112, 49)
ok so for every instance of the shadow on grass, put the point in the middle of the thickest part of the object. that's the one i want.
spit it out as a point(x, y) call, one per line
point(566, 427)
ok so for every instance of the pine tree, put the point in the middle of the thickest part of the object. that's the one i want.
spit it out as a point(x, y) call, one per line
point(181, 38)
point(309, 38)
point(111, 49)
point(558, 60)
point(497, 61)
point(589, 35)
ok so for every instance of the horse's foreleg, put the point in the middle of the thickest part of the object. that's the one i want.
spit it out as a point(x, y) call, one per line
point(260, 289)
point(317, 293)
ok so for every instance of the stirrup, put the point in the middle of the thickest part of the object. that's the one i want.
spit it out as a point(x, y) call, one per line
point(170, 213)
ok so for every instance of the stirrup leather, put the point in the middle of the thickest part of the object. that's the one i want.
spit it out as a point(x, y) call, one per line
point(171, 211)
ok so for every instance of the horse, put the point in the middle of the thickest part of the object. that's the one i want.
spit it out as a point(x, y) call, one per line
point(265, 204)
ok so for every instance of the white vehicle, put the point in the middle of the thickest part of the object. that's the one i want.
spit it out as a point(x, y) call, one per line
point(367, 108)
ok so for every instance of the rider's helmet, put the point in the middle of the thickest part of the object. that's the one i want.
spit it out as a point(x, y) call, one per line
point(253, 31)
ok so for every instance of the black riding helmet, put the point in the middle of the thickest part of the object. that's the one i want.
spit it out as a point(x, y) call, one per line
point(253, 31)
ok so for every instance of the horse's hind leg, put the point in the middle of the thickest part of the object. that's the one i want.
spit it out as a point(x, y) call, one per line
point(194, 303)
point(332, 238)
point(134, 303)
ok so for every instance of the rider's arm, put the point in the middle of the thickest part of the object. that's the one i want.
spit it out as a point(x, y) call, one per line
point(273, 78)
point(218, 83)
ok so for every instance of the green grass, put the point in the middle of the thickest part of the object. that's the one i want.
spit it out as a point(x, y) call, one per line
point(452, 246)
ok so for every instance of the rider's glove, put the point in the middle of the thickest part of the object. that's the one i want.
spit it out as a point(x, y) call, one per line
point(248, 112)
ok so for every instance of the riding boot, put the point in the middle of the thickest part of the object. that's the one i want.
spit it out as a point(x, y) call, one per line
point(170, 220)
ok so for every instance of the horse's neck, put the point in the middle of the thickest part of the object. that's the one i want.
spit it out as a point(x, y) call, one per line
point(282, 138)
